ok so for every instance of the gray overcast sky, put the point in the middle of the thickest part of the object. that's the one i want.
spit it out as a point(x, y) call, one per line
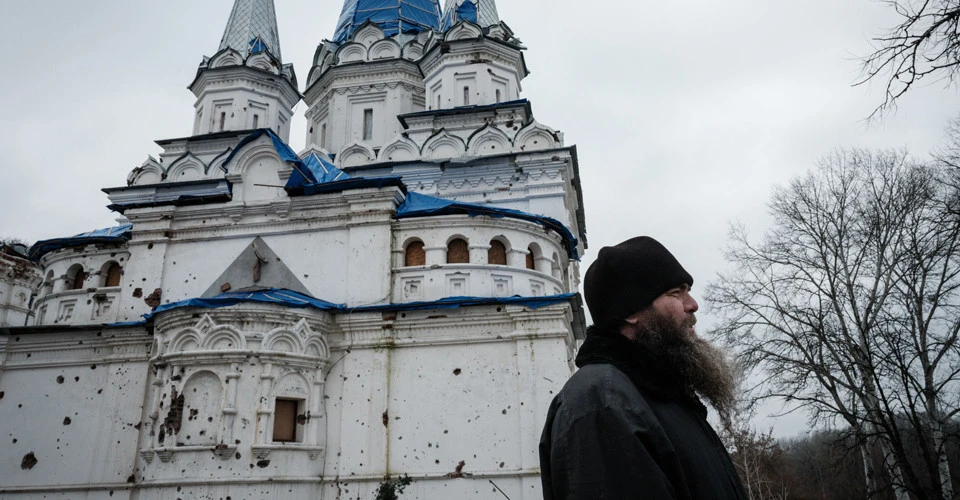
point(685, 114)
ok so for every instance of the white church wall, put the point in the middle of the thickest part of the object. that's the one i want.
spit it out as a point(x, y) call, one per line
point(71, 404)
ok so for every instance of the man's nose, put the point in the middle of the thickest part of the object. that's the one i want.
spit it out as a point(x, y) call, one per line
point(690, 304)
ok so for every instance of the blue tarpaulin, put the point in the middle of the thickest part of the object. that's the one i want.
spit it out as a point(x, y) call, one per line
point(290, 298)
point(279, 296)
point(315, 170)
point(421, 205)
point(286, 154)
point(393, 16)
point(117, 234)
point(257, 45)
point(467, 11)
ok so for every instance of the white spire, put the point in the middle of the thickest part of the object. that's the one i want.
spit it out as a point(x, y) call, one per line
point(250, 20)
point(482, 12)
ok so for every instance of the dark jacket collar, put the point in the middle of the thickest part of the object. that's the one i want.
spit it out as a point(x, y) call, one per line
point(650, 374)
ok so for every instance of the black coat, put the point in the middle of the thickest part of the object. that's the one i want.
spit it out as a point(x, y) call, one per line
point(624, 428)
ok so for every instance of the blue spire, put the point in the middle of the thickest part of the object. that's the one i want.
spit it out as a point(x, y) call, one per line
point(482, 12)
point(393, 16)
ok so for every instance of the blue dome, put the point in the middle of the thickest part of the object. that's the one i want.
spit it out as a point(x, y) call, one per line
point(393, 16)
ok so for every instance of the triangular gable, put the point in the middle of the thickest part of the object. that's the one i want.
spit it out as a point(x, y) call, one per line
point(256, 266)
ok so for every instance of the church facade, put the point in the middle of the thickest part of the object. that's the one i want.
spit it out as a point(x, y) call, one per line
point(396, 302)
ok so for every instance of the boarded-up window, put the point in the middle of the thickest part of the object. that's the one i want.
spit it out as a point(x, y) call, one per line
point(415, 255)
point(458, 252)
point(530, 259)
point(285, 421)
point(113, 275)
point(497, 253)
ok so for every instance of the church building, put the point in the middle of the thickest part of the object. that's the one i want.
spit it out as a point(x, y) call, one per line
point(392, 307)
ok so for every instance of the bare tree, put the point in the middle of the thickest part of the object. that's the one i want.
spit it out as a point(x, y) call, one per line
point(849, 305)
point(925, 43)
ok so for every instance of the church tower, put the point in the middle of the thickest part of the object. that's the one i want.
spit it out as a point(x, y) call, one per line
point(478, 61)
point(238, 87)
point(367, 76)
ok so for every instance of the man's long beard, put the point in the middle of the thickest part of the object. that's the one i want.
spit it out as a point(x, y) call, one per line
point(702, 367)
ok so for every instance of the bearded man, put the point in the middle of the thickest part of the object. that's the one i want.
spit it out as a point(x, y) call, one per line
point(629, 423)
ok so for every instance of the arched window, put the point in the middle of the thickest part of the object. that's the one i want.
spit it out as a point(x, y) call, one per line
point(458, 252)
point(47, 284)
point(111, 274)
point(414, 254)
point(75, 277)
point(497, 254)
point(533, 253)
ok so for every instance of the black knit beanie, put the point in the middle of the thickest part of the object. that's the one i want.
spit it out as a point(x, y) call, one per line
point(628, 277)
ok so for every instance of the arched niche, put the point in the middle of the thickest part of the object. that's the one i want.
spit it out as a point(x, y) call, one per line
point(351, 52)
point(202, 409)
point(463, 30)
point(368, 34)
point(488, 140)
point(384, 49)
point(443, 145)
point(223, 338)
point(283, 341)
point(355, 154)
point(535, 136)
point(401, 149)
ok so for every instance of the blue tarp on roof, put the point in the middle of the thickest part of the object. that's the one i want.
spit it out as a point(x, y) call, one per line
point(286, 154)
point(311, 175)
point(257, 45)
point(393, 16)
point(467, 11)
point(279, 296)
point(421, 205)
point(290, 298)
point(458, 302)
point(117, 234)
point(315, 170)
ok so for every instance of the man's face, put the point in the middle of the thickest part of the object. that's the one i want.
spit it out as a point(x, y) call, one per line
point(675, 305)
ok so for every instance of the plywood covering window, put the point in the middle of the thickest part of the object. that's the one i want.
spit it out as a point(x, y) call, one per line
point(367, 124)
point(458, 252)
point(113, 275)
point(285, 420)
point(497, 254)
point(415, 255)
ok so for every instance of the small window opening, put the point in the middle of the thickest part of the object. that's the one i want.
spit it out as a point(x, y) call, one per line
point(223, 119)
point(367, 124)
point(438, 102)
point(498, 95)
point(256, 121)
point(415, 255)
point(497, 254)
point(466, 96)
point(323, 136)
point(458, 252)
point(530, 259)
point(285, 420)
